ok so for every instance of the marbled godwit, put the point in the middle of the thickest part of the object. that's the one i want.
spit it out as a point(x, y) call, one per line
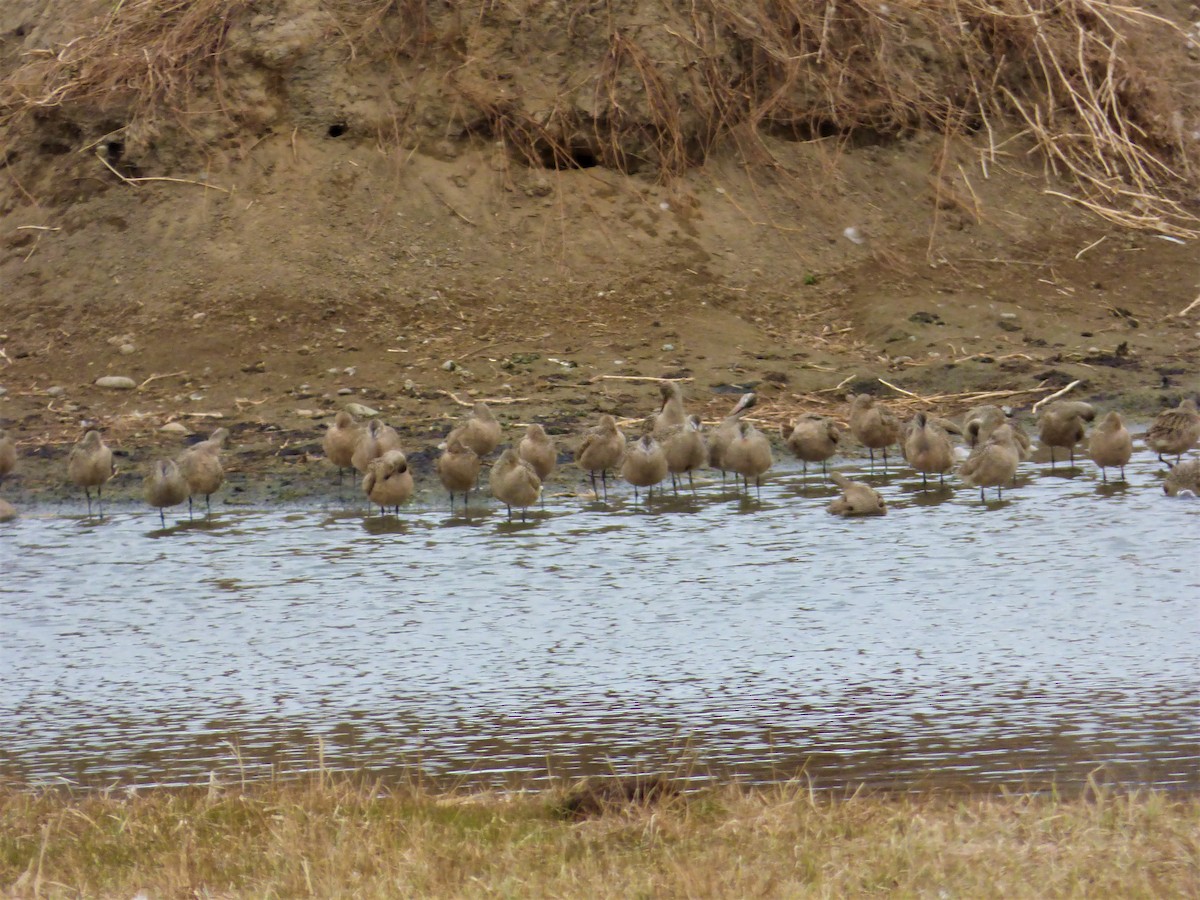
point(857, 499)
point(1184, 476)
point(514, 482)
point(724, 433)
point(201, 468)
point(645, 464)
point(749, 455)
point(873, 425)
point(685, 450)
point(165, 486)
point(1110, 444)
point(993, 463)
point(927, 448)
point(813, 438)
point(602, 448)
point(340, 440)
point(671, 414)
point(479, 430)
point(388, 481)
point(373, 441)
point(458, 469)
point(1061, 424)
point(8, 455)
point(90, 465)
point(1174, 431)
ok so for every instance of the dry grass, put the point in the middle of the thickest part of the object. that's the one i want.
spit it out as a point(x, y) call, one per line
point(339, 838)
point(1094, 85)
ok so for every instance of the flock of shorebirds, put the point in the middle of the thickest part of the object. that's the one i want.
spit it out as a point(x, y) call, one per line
point(672, 444)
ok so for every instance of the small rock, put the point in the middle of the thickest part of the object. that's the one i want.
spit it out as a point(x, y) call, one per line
point(361, 411)
point(195, 397)
point(174, 428)
point(449, 365)
point(343, 392)
point(304, 350)
point(116, 382)
point(257, 367)
point(128, 349)
point(668, 347)
point(57, 391)
point(854, 234)
point(8, 512)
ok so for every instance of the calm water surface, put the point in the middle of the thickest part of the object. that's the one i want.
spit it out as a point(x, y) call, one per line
point(949, 644)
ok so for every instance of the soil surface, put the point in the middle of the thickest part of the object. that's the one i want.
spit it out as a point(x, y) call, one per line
point(314, 266)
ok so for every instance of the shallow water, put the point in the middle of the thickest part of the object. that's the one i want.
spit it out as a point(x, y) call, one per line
point(950, 644)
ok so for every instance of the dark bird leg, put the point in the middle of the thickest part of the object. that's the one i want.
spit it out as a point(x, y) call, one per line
point(162, 518)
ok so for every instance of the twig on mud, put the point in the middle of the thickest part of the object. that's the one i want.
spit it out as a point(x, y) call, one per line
point(38, 228)
point(900, 390)
point(1092, 245)
point(495, 400)
point(134, 182)
point(1187, 309)
point(596, 378)
point(479, 349)
point(446, 203)
point(1055, 395)
point(157, 377)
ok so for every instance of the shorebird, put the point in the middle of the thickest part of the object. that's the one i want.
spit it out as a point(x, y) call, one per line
point(201, 467)
point(458, 469)
point(858, 499)
point(1110, 444)
point(671, 414)
point(993, 463)
point(749, 455)
point(340, 440)
point(90, 465)
point(514, 482)
point(873, 425)
point(685, 450)
point(645, 464)
point(373, 441)
point(813, 438)
point(388, 481)
point(1174, 431)
point(602, 448)
point(724, 433)
point(979, 423)
point(8, 455)
point(165, 486)
point(927, 448)
point(1061, 425)
point(537, 449)
point(479, 430)
point(1184, 476)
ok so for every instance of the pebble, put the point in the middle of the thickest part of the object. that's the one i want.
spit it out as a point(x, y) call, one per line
point(116, 382)
point(363, 412)
point(668, 347)
point(342, 392)
point(57, 391)
point(8, 512)
point(128, 349)
point(449, 365)
point(175, 428)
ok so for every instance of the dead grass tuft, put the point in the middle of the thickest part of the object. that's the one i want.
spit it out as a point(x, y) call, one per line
point(332, 836)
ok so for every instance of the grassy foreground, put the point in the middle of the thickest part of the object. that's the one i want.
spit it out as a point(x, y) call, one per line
point(332, 837)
